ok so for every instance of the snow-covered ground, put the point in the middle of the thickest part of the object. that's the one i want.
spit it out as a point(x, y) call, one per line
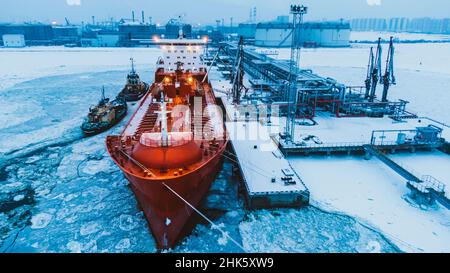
point(372, 192)
point(61, 193)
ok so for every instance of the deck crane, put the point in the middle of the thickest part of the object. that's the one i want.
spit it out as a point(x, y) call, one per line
point(368, 81)
point(376, 72)
point(389, 77)
point(238, 73)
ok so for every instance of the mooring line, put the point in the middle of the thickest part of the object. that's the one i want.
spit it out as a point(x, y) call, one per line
point(205, 217)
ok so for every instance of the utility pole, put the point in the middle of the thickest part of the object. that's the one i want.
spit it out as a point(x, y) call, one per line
point(298, 12)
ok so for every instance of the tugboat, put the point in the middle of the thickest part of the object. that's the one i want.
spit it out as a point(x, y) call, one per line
point(171, 149)
point(105, 115)
point(135, 89)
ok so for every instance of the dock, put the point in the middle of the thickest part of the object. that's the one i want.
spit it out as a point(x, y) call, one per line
point(268, 178)
point(327, 117)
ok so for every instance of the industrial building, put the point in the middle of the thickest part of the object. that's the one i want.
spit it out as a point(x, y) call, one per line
point(13, 40)
point(133, 33)
point(100, 38)
point(63, 35)
point(312, 34)
point(34, 34)
point(415, 25)
point(173, 30)
point(247, 30)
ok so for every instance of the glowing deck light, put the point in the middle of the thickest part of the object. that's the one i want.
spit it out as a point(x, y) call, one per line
point(190, 80)
point(167, 80)
point(205, 39)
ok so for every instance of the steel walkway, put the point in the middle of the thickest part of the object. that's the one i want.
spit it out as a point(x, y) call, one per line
point(427, 186)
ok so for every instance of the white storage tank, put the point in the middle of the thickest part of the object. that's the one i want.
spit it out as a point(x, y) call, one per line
point(313, 34)
point(13, 40)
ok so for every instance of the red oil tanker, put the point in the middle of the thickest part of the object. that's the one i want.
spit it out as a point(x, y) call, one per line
point(171, 149)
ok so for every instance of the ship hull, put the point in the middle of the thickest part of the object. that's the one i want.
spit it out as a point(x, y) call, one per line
point(90, 130)
point(136, 95)
point(166, 213)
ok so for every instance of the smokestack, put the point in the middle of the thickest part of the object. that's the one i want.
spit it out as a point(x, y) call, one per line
point(143, 17)
point(93, 20)
point(132, 15)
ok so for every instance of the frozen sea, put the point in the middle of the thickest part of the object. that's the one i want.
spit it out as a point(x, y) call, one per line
point(60, 192)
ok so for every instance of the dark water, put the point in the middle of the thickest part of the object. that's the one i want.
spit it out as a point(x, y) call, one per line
point(64, 194)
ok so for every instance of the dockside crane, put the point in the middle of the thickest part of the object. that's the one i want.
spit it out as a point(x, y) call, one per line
point(388, 77)
point(368, 81)
point(376, 72)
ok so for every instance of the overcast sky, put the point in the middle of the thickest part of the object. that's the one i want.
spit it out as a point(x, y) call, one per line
point(207, 11)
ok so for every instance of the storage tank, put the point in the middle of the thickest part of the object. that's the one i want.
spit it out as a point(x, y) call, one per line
point(312, 34)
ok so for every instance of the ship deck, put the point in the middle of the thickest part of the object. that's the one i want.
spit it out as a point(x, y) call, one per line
point(145, 120)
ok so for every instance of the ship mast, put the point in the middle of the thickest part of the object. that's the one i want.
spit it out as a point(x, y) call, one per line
point(132, 66)
point(164, 126)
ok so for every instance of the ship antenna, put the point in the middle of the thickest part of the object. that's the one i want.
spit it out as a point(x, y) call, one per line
point(132, 65)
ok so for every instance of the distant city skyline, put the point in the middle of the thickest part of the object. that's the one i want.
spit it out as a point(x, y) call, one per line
point(208, 11)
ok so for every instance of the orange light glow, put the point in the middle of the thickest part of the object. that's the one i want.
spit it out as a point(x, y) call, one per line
point(156, 39)
point(190, 80)
point(205, 39)
point(167, 80)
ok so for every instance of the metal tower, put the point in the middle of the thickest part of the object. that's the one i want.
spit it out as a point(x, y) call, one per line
point(368, 81)
point(389, 77)
point(376, 72)
point(238, 73)
point(298, 12)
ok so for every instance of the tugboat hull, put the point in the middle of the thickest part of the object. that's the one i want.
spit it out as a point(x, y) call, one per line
point(135, 95)
point(92, 129)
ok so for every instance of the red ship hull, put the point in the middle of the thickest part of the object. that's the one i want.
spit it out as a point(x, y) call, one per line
point(170, 178)
point(160, 205)
point(171, 149)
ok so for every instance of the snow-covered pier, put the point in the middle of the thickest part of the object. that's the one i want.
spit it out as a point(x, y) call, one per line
point(332, 135)
point(269, 179)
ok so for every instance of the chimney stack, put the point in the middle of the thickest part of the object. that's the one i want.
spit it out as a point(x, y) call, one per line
point(132, 15)
point(143, 17)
